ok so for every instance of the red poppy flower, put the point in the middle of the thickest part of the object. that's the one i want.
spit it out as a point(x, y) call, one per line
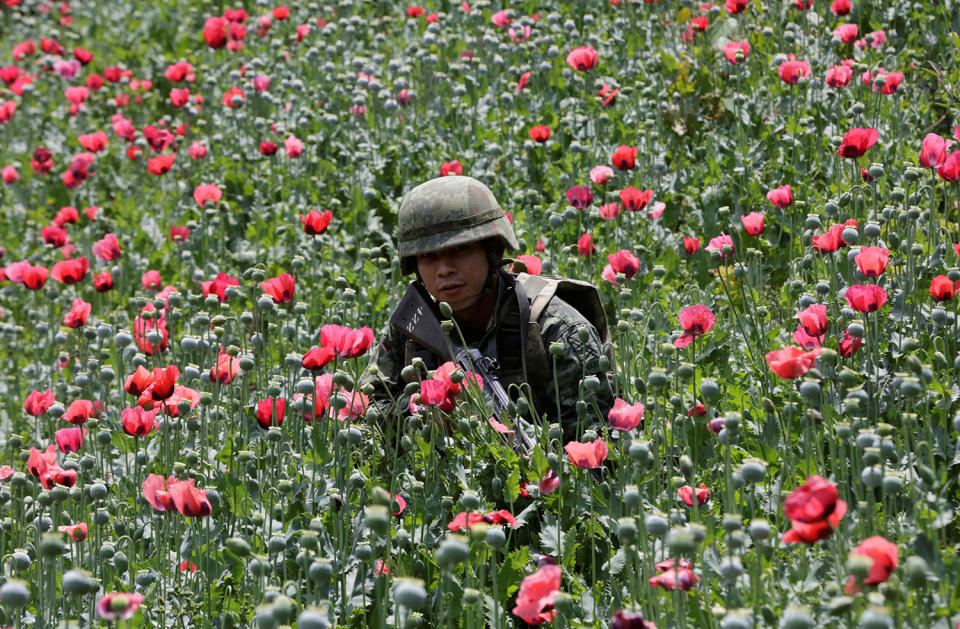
point(281, 288)
point(77, 532)
point(265, 414)
point(179, 233)
point(849, 345)
point(70, 439)
point(782, 197)
point(187, 499)
point(102, 281)
point(943, 289)
point(137, 421)
point(695, 320)
point(753, 223)
point(70, 271)
point(317, 358)
point(950, 170)
point(610, 211)
point(215, 32)
point(872, 260)
point(583, 58)
point(401, 505)
point(717, 243)
point(588, 455)
point(846, 33)
point(634, 199)
point(621, 262)
point(451, 168)
point(207, 192)
point(814, 510)
point(883, 553)
point(691, 245)
point(151, 280)
point(840, 7)
point(857, 141)
point(791, 71)
point(624, 157)
point(179, 71)
point(226, 369)
point(119, 605)
point(682, 579)
point(160, 164)
point(813, 319)
point(107, 248)
point(315, 222)
point(607, 94)
point(155, 492)
point(414, 12)
point(77, 316)
point(829, 241)
point(268, 148)
point(162, 384)
point(540, 133)
point(54, 236)
point(865, 297)
point(218, 286)
point(346, 342)
point(933, 151)
point(536, 595)
point(736, 51)
point(839, 76)
point(522, 82)
point(791, 361)
point(585, 245)
point(79, 412)
point(579, 197)
point(171, 406)
point(138, 382)
point(142, 327)
point(93, 142)
point(38, 403)
point(686, 494)
point(626, 619)
point(736, 6)
point(891, 81)
point(625, 417)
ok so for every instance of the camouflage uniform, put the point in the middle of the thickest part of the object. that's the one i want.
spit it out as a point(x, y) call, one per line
point(452, 211)
point(559, 323)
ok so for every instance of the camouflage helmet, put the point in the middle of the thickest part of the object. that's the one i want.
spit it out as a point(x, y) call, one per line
point(446, 212)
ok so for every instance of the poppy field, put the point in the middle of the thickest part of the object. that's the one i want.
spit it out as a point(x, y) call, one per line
point(198, 253)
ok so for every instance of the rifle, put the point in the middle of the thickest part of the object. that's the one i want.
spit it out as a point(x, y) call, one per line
point(416, 319)
point(487, 368)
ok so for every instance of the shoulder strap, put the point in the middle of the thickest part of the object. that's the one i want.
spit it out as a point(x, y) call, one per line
point(581, 295)
point(416, 319)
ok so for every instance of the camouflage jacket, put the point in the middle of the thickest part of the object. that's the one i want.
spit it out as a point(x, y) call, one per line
point(558, 323)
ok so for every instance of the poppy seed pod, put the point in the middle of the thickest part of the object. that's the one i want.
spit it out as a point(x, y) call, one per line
point(15, 593)
point(410, 593)
point(453, 550)
point(759, 529)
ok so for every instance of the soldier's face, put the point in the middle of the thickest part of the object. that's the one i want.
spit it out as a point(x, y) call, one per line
point(455, 275)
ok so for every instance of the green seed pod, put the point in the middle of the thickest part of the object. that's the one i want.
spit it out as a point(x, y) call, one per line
point(627, 530)
point(686, 467)
point(52, 545)
point(410, 593)
point(76, 582)
point(453, 550)
point(238, 546)
point(917, 571)
point(495, 537)
point(312, 618)
point(377, 518)
point(681, 541)
point(15, 593)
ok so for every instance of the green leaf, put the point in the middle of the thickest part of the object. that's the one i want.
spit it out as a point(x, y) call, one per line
point(551, 537)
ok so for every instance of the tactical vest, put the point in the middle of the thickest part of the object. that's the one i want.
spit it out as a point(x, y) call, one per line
point(523, 300)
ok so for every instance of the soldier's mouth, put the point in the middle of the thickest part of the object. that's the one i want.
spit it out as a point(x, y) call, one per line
point(449, 289)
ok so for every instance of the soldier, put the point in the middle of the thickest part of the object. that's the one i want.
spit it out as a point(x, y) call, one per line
point(453, 235)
